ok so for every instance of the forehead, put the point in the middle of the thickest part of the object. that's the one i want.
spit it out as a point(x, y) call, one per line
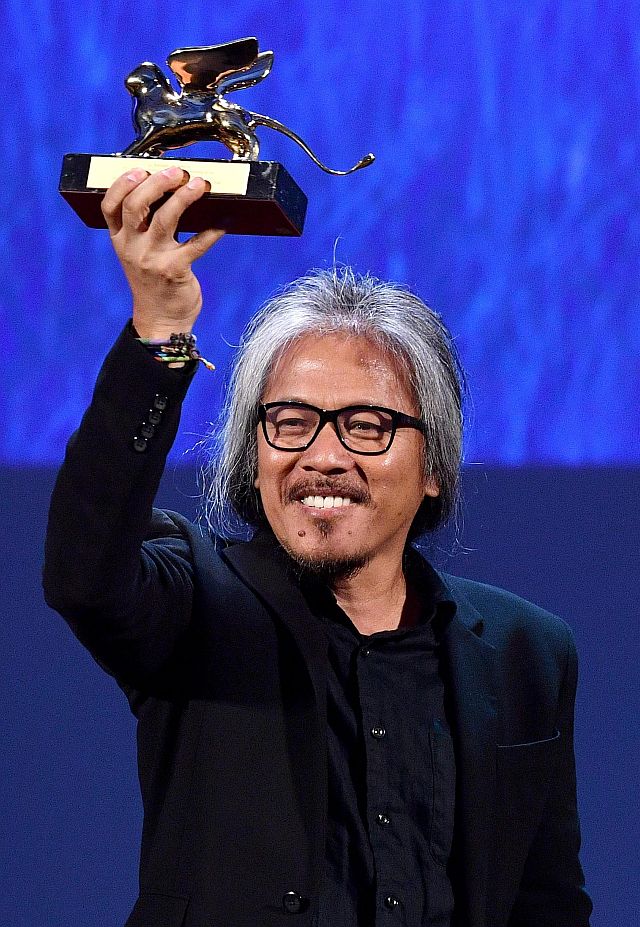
point(339, 369)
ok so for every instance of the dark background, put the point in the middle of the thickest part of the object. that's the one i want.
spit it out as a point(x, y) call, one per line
point(565, 538)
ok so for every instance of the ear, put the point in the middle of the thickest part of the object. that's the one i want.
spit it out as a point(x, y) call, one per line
point(256, 483)
point(431, 487)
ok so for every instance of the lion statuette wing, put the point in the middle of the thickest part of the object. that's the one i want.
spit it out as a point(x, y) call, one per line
point(220, 69)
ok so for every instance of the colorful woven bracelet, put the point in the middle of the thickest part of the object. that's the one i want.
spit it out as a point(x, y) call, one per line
point(180, 348)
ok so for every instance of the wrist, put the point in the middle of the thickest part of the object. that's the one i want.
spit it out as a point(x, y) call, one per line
point(158, 331)
point(160, 328)
point(175, 351)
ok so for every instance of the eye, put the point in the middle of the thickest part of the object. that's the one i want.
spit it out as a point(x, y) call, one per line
point(367, 424)
point(285, 420)
point(363, 427)
point(291, 423)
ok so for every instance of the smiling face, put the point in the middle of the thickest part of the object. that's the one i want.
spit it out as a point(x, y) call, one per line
point(329, 507)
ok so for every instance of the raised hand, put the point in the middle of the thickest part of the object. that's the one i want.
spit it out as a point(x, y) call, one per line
point(166, 293)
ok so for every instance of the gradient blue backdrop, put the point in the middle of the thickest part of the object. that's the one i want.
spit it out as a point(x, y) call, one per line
point(505, 192)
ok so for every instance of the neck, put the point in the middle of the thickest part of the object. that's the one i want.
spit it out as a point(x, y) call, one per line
point(377, 598)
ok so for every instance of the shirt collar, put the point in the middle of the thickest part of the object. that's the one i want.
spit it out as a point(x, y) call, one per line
point(438, 608)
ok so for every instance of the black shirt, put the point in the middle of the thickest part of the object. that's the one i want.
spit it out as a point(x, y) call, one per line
point(391, 767)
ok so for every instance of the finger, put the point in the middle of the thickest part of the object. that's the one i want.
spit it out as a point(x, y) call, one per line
point(167, 217)
point(137, 205)
point(199, 244)
point(112, 201)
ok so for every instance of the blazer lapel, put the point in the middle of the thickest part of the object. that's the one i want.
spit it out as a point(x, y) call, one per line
point(265, 567)
point(471, 664)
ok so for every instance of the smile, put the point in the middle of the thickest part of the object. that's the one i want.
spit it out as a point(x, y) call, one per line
point(326, 502)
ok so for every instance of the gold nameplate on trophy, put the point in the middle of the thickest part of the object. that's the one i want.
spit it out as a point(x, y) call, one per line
point(227, 178)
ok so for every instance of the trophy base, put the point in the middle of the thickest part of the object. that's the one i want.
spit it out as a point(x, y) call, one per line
point(246, 198)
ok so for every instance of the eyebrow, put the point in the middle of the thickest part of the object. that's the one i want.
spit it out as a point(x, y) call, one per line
point(347, 405)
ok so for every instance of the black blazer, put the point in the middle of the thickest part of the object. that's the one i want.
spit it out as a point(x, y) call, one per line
point(225, 670)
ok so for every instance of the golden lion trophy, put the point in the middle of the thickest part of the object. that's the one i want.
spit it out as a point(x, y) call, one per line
point(248, 196)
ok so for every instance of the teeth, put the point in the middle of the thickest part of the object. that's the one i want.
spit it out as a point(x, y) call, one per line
point(326, 502)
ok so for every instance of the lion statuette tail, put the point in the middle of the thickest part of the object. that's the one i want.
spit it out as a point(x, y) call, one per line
point(258, 120)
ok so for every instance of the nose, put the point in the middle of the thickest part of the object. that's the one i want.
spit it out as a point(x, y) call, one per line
point(327, 454)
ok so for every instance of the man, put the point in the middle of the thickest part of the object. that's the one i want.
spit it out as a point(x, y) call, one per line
point(330, 732)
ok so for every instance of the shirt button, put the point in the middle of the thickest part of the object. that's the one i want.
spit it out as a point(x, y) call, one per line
point(140, 445)
point(378, 732)
point(160, 403)
point(155, 417)
point(147, 431)
point(383, 819)
point(391, 901)
point(365, 651)
point(292, 902)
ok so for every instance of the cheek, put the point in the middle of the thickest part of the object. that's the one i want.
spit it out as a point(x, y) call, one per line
point(265, 465)
point(271, 471)
point(400, 479)
point(259, 456)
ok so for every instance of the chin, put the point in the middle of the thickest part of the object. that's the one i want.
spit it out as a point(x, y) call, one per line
point(328, 568)
point(321, 558)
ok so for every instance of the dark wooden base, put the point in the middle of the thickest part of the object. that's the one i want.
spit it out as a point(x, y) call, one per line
point(274, 204)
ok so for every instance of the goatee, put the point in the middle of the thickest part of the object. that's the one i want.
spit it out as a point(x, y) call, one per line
point(327, 567)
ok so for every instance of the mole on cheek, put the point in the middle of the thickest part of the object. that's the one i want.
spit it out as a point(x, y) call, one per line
point(301, 534)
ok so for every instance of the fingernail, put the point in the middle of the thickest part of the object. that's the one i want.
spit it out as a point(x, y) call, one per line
point(196, 182)
point(137, 175)
point(173, 172)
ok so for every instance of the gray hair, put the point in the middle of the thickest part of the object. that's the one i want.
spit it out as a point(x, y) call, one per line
point(323, 302)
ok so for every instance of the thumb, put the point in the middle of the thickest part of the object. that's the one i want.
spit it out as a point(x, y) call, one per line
point(199, 244)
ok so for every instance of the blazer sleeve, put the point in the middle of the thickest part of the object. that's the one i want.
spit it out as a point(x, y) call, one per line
point(552, 892)
point(118, 572)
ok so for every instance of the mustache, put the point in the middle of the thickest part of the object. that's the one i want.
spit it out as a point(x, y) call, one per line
point(336, 487)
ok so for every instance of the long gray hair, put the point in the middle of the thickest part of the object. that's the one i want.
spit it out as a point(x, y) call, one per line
point(337, 300)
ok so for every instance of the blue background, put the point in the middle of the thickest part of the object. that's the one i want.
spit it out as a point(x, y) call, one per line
point(505, 191)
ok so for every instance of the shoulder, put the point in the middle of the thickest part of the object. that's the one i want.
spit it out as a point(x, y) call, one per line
point(210, 555)
point(167, 525)
point(508, 618)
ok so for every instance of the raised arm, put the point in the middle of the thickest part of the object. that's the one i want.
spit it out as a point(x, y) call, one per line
point(118, 573)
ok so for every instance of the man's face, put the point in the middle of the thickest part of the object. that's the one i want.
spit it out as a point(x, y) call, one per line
point(385, 491)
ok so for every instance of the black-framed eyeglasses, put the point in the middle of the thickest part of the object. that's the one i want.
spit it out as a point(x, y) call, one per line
point(294, 426)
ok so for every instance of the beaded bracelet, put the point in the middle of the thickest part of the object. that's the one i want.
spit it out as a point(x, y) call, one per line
point(180, 348)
